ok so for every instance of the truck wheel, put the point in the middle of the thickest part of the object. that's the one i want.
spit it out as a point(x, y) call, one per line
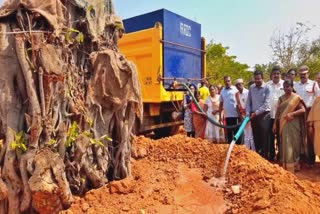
point(162, 132)
point(166, 131)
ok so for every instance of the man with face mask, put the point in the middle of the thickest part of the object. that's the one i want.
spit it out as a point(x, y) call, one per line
point(306, 88)
point(276, 90)
point(258, 109)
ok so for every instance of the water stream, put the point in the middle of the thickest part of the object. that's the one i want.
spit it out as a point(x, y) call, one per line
point(236, 137)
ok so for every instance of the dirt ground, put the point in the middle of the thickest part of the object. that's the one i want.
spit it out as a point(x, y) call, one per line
point(174, 175)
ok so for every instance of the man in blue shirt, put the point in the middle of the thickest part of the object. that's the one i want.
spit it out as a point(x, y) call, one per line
point(258, 109)
point(229, 105)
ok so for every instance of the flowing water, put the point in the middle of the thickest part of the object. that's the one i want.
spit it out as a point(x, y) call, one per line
point(226, 163)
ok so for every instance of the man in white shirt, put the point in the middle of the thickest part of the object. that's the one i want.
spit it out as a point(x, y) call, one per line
point(306, 88)
point(276, 90)
point(241, 98)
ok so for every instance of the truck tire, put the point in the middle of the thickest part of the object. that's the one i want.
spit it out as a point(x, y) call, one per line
point(166, 131)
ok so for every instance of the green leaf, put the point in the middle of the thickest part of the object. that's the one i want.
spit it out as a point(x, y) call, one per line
point(80, 38)
point(100, 143)
point(73, 133)
point(13, 145)
point(19, 136)
point(92, 141)
point(106, 137)
point(23, 147)
point(19, 143)
point(96, 142)
point(90, 122)
point(90, 8)
point(52, 141)
point(86, 133)
point(72, 30)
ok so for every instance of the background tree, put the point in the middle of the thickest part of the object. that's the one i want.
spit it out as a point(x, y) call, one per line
point(286, 45)
point(220, 64)
point(265, 68)
point(309, 54)
point(294, 48)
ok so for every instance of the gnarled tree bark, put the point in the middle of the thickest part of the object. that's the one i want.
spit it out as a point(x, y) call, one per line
point(68, 102)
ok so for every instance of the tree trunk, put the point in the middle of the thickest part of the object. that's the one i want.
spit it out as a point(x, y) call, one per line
point(68, 103)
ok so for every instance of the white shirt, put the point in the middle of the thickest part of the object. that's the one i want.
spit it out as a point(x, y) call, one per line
point(317, 91)
point(307, 91)
point(243, 97)
point(276, 91)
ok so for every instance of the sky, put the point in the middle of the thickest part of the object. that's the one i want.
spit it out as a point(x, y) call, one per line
point(245, 26)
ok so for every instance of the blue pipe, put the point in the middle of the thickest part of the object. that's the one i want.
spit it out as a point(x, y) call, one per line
point(241, 129)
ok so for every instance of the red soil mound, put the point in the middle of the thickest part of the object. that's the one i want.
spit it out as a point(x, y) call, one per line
point(169, 176)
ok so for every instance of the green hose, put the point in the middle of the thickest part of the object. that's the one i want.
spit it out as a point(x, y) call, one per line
point(209, 118)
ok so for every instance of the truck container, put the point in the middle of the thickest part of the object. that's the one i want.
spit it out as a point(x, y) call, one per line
point(166, 47)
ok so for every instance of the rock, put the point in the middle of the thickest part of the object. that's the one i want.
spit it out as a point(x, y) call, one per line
point(142, 152)
point(125, 209)
point(235, 189)
point(85, 206)
point(124, 186)
point(66, 212)
point(217, 182)
point(309, 194)
point(262, 204)
point(234, 211)
point(134, 153)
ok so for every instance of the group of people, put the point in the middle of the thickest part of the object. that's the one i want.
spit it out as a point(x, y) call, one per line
point(284, 115)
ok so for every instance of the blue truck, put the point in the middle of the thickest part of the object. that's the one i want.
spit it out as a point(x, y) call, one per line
point(166, 48)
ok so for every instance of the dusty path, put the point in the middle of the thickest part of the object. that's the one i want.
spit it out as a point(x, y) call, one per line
point(170, 176)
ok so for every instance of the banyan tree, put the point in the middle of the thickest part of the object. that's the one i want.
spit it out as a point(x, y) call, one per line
point(68, 102)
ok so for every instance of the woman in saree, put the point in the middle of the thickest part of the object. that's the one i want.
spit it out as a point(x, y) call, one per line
point(213, 133)
point(290, 114)
point(198, 118)
point(314, 123)
point(188, 124)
